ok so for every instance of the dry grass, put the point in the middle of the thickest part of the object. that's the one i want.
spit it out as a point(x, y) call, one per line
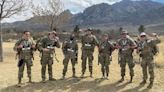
point(8, 76)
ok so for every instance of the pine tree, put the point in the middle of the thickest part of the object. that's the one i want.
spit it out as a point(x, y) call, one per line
point(141, 29)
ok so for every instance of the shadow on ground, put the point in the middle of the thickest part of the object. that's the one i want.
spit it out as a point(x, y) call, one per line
point(72, 85)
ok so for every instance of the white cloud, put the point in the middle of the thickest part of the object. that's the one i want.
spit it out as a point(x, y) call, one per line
point(79, 5)
point(74, 5)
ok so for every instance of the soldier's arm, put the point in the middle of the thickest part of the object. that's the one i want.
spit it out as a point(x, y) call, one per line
point(118, 44)
point(33, 43)
point(112, 45)
point(82, 40)
point(57, 42)
point(76, 47)
point(64, 47)
point(16, 46)
point(156, 40)
point(133, 44)
point(138, 49)
point(96, 42)
point(40, 44)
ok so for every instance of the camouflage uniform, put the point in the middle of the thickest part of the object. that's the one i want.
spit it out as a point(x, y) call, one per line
point(146, 49)
point(105, 52)
point(88, 44)
point(70, 50)
point(47, 57)
point(125, 55)
point(25, 55)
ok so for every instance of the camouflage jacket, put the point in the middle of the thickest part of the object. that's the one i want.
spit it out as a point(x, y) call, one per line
point(49, 44)
point(106, 47)
point(26, 52)
point(124, 44)
point(89, 42)
point(147, 47)
point(70, 47)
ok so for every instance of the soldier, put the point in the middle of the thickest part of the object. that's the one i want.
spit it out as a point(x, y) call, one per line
point(89, 41)
point(126, 45)
point(25, 47)
point(70, 51)
point(147, 52)
point(47, 48)
point(106, 48)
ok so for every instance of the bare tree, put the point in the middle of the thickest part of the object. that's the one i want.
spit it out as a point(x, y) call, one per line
point(7, 9)
point(51, 14)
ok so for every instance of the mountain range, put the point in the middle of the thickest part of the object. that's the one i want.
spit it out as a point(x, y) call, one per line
point(123, 13)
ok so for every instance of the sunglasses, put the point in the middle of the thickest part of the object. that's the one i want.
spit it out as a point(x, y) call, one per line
point(142, 36)
point(123, 34)
point(27, 34)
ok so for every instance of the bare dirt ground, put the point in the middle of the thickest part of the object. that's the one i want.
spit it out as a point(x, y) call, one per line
point(9, 70)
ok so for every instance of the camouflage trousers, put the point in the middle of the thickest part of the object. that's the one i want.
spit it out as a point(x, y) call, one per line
point(65, 63)
point(104, 60)
point(46, 61)
point(28, 63)
point(127, 60)
point(147, 66)
point(87, 54)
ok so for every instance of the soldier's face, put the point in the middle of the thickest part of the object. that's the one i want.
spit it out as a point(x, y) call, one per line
point(27, 35)
point(104, 38)
point(123, 35)
point(88, 32)
point(51, 36)
point(143, 38)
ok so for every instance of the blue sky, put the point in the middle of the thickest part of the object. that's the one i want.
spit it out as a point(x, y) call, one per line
point(74, 5)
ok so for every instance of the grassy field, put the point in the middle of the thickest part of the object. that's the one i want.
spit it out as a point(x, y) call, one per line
point(9, 70)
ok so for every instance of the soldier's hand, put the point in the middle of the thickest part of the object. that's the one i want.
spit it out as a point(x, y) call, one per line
point(33, 46)
point(118, 47)
point(56, 39)
point(137, 51)
point(128, 47)
point(46, 50)
point(154, 34)
point(20, 46)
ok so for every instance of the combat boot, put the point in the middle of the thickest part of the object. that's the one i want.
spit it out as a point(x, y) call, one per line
point(74, 75)
point(143, 82)
point(122, 79)
point(63, 77)
point(52, 79)
point(82, 75)
point(107, 76)
point(90, 70)
point(43, 80)
point(19, 80)
point(103, 75)
point(91, 75)
point(150, 85)
point(30, 80)
point(131, 79)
